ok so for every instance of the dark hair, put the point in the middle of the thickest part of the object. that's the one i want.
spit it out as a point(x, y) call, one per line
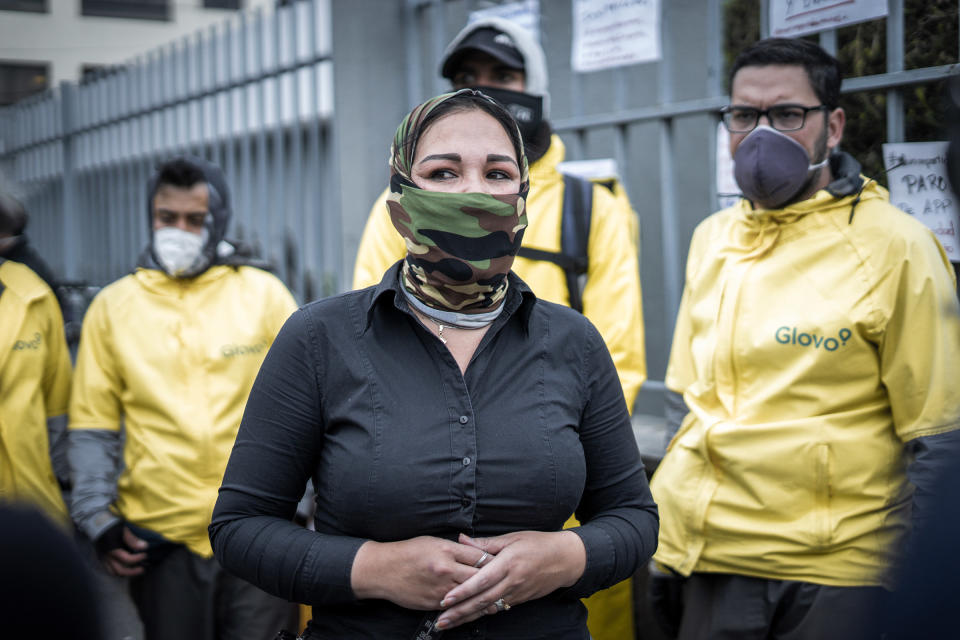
point(179, 173)
point(470, 100)
point(13, 217)
point(822, 69)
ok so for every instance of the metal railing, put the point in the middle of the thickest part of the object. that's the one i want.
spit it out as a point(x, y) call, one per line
point(254, 95)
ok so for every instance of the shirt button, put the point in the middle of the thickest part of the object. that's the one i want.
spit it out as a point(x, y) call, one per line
point(466, 461)
point(465, 502)
point(464, 419)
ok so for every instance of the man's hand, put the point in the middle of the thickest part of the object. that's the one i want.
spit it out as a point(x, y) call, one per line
point(121, 552)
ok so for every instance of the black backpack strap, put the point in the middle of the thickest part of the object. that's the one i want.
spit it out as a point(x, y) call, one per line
point(574, 238)
point(575, 234)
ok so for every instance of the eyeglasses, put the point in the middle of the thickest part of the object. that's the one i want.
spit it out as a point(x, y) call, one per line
point(782, 117)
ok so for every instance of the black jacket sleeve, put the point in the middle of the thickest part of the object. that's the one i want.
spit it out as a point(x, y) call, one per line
point(620, 519)
point(279, 438)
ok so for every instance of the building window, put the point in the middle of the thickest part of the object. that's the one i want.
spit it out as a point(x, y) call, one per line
point(222, 4)
point(36, 6)
point(93, 72)
point(142, 9)
point(20, 80)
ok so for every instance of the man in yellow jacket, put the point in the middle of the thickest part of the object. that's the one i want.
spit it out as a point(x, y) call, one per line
point(504, 61)
point(817, 349)
point(167, 357)
point(34, 390)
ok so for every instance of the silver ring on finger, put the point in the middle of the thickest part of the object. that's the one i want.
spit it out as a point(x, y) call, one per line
point(501, 605)
point(482, 559)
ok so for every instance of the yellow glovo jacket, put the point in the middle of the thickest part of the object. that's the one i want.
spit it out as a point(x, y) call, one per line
point(812, 343)
point(611, 297)
point(611, 300)
point(34, 388)
point(173, 360)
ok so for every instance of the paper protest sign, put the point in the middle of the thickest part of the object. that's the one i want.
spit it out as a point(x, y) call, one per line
point(917, 175)
point(792, 18)
point(614, 33)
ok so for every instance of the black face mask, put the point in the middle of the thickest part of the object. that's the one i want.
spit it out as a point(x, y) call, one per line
point(526, 109)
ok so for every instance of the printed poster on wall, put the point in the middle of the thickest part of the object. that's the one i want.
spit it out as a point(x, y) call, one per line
point(614, 33)
point(526, 14)
point(792, 18)
point(917, 175)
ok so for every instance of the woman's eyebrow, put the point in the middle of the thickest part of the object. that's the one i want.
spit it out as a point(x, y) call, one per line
point(493, 157)
point(443, 156)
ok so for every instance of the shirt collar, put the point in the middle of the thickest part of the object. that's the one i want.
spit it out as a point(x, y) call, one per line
point(520, 299)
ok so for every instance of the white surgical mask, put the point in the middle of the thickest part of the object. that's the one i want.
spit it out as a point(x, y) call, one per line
point(180, 252)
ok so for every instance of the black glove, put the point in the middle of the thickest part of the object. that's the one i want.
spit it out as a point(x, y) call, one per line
point(111, 539)
point(665, 591)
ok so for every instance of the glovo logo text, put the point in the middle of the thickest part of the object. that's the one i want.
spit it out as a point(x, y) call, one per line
point(793, 336)
point(21, 345)
point(233, 350)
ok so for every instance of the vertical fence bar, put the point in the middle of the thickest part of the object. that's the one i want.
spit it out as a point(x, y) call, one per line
point(167, 91)
point(128, 143)
point(279, 214)
point(246, 159)
point(439, 40)
point(103, 240)
point(214, 45)
point(112, 134)
point(895, 125)
point(315, 162)
point(828, 41)
point(200, 103)
point(764, 19)
point(296, 157)
point(668, 219)
point(715, 81)
point(225, 130)
point(191, 143)
point(413, 52)
point(620, 131)
point(264, 209)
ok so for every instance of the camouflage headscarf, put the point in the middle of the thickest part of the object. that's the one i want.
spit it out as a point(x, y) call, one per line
point(460, 246)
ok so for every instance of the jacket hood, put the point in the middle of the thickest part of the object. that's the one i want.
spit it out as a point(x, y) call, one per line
point(846, 175)
point(218, 205)
point(534, 60)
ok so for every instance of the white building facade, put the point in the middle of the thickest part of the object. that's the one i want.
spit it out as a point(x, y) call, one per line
point(43, 42)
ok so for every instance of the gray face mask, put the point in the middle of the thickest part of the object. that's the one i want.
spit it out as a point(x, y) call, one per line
point(772, 168)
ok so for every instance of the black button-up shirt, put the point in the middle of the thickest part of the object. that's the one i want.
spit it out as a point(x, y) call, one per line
point(356, 394)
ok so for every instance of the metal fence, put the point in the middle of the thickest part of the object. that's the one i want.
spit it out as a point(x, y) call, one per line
point(305, 162)
point(253, 95)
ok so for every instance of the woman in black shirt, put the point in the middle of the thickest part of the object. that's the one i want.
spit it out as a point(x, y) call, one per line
point(450, 421)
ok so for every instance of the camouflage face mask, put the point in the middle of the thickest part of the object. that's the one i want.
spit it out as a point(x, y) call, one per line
point(460, 246)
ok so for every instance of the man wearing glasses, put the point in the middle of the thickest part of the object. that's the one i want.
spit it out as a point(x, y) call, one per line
point(816, 351)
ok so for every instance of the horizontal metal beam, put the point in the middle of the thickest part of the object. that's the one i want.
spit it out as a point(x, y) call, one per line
point(898, 78)
point(705, 105)
point(653, 112)
point(170, 104)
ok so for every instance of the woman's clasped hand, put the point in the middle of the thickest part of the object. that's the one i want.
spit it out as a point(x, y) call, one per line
point(466, 579)
point(524, 565)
